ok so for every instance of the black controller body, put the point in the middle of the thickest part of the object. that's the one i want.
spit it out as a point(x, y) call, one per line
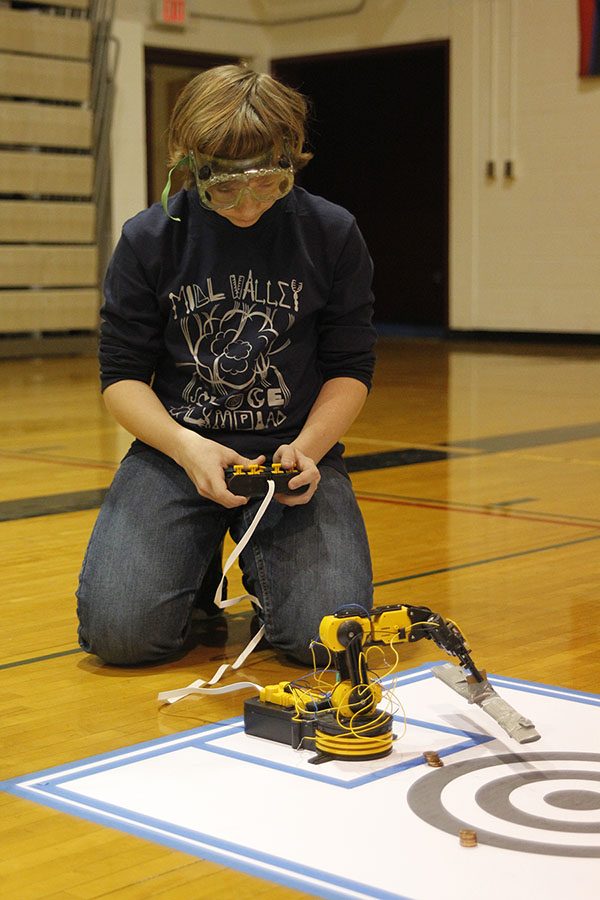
point(252, 481)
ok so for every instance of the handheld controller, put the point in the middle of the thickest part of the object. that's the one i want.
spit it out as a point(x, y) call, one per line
point(251, 481)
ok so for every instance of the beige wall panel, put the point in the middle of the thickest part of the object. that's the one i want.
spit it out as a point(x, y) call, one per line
point(521, 253)
point(34, 32)
point(48, 79)
point(538, 266)
point(38, 222)
point(70, 4)
point(48, 266)
point(45, 126)
point(46, 173)
point(48, 310)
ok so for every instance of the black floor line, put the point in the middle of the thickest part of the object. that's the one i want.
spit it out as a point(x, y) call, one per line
point(522, 440)
point(35, 659)
point(485, 562)
point(390, 459)
point(51, 505)
point(54, 504)
point(376, 584)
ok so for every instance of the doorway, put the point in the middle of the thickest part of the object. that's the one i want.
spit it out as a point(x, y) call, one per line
point(380, 137)
point(167, 71)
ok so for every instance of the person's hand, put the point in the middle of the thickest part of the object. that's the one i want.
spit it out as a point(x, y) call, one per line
point(205, 462)
point(292, 458)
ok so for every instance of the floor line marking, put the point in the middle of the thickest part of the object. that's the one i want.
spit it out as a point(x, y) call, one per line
point(497, 514)
point(399, 445)
point(58, 461)
point(458, 505)
point(376, 584)
point(521, 440)
point(484, 562)
point(56, 504)
point(34, 659)
point(518, 500)
point(51, 505)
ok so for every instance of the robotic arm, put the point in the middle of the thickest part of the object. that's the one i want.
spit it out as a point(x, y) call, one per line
point(345, 722)
point(396, 625)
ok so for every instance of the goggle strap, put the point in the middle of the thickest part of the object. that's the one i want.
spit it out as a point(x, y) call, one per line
point(164, 199)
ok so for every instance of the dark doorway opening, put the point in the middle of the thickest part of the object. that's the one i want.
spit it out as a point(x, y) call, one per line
point(167, 71)
point(380, 137)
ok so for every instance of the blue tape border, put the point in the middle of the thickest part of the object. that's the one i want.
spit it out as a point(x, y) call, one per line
point(472, 739)
point(48, 788)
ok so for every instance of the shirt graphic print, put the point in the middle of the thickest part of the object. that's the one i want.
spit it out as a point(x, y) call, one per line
point(234, 334)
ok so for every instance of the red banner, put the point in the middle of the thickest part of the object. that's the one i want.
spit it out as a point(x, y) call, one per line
point(589, 38)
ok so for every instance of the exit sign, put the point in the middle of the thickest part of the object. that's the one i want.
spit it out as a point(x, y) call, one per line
point(170, 12)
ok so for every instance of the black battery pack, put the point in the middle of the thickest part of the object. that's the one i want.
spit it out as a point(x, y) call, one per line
point(278, 723)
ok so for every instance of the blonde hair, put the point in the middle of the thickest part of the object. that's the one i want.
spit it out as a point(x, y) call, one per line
point(235, 113)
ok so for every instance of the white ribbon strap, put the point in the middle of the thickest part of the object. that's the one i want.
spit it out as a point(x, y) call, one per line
point(207, 687)
point(223, 604)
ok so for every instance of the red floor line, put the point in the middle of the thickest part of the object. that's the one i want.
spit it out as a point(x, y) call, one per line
point(478, 512)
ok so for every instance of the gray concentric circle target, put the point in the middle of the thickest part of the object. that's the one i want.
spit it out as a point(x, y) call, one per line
point(573, 799)
point(425, 800)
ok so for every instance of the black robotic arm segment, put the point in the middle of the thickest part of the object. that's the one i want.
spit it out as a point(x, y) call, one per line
point(446, 635)
point(396, 624)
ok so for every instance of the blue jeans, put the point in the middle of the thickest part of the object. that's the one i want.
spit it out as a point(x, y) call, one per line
point(155, 537)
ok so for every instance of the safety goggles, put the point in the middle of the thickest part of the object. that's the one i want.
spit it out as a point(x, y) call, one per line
point(223, 183)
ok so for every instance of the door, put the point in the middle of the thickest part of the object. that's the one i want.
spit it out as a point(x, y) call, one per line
point(167, 71)
point(380, 137)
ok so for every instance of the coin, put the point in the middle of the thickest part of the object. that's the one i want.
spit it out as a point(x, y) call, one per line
point(433, 759)
point(467, 837)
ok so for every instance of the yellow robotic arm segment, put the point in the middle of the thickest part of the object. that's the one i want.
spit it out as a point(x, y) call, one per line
point(391, 625)
point(338, 631)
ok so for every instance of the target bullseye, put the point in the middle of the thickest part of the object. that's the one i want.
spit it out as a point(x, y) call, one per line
point(578, 798)
point(572, 800)
point(524, 801)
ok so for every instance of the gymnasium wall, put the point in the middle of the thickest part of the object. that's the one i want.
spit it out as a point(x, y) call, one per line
point(523, 249)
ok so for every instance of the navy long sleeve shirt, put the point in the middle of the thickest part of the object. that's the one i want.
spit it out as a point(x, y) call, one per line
point(237, 329)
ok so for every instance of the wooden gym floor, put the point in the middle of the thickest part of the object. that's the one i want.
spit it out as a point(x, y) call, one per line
point(477, 467)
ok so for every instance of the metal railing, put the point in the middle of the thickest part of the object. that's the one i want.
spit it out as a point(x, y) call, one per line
point(105, 53)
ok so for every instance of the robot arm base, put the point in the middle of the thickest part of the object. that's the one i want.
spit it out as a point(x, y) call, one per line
point(483, 694)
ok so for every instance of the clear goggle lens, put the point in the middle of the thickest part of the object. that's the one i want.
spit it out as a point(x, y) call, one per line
point(222, 184)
